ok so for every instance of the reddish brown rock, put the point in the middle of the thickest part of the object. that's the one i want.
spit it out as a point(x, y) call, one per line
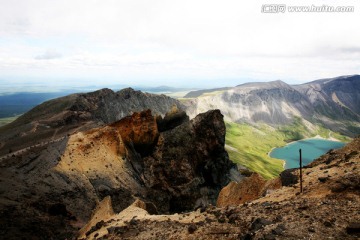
point(139, 131)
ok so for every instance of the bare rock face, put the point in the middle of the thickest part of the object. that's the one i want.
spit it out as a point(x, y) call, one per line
point(138, 131)
point(247, 190)
point(189, 164)
point(101, 213)
point(51, 189)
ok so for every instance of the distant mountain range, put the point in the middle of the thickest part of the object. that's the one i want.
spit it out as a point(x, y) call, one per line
point(333, 103)
point(162, 89)
point(14, 104)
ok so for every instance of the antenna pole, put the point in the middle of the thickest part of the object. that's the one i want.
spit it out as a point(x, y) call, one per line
point(301, 186)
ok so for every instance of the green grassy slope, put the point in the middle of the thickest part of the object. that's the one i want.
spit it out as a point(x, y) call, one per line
point(4, 121)
point(249, 145)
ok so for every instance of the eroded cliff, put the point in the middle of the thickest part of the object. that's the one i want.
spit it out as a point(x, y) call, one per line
point(50, 190)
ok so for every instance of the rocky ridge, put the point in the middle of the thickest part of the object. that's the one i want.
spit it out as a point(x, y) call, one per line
point(78, 112)
point(50, 190)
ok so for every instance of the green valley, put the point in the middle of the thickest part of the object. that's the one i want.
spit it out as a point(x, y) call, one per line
point(249, 145)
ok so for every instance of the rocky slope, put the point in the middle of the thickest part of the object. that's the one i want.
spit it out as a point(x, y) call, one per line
point(333, 103)
point(247, 190)
point(78, 112)
point(328, 208)
point(171, 163)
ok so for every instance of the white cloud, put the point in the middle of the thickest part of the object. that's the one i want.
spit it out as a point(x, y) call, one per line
point(49, 54)
point(162, 39)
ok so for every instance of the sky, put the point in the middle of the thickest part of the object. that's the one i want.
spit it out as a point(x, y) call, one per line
point(180, 43)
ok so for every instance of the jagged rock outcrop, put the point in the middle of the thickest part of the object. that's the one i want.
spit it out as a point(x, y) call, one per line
point(79, 112)
point(52, 189)
point(188, 164)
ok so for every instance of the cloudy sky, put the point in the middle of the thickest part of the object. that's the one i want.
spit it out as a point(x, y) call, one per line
point(193, 43)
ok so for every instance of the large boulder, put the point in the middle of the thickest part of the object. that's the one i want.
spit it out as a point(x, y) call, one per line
point(247, 190)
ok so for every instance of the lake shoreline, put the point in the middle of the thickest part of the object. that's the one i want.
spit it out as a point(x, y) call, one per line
point(292, 142)
point(284, 162)
point(315, 137)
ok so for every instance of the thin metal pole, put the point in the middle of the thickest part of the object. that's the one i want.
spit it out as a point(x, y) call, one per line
point(301, 186)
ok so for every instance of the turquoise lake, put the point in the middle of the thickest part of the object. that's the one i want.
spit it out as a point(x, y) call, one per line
point(310, 148)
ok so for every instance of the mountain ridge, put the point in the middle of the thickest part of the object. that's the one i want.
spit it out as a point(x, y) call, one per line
point(76, 112)
point(333, 103)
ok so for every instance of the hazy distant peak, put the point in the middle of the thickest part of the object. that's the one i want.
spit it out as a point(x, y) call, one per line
point(263, 85)
point(329, 80)
point(271, 83)
point(279, 82)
